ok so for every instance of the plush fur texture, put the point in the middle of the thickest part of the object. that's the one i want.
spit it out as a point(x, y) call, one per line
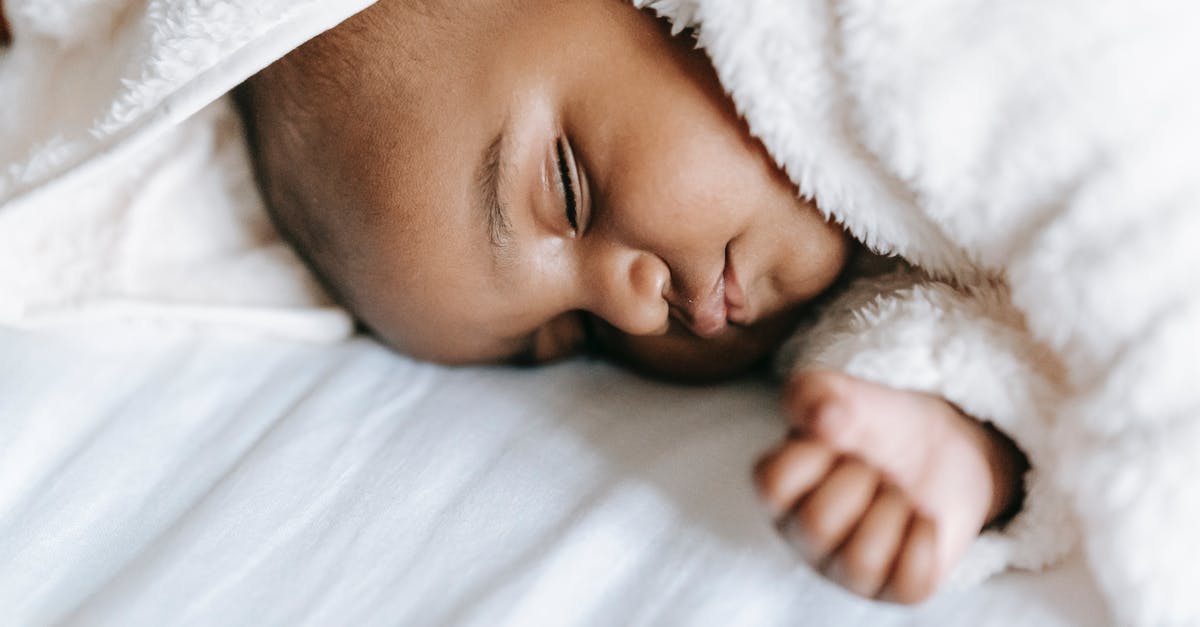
point(1053, 145)
point(92, 74)
point(118, 200)
point(1050, 144)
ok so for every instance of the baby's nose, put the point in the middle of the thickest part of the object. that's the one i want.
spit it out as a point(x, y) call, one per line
point(633, 296)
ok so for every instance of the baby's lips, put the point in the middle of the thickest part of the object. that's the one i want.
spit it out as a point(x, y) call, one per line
point(709, 319)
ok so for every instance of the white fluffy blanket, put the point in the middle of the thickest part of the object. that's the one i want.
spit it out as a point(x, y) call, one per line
point(1050, 143)
point(116, 199)
point(1045, 152)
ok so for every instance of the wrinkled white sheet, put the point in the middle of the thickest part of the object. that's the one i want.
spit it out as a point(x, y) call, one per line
point(150, 477)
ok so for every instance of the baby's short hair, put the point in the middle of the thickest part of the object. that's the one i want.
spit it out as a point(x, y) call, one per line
point(281, 114)
point(297, 115)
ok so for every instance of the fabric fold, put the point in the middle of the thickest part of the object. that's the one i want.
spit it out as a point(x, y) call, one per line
point(125, 188)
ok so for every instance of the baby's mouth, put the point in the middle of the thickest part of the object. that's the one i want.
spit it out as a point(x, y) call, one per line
point(708, 317)
point(724, 305)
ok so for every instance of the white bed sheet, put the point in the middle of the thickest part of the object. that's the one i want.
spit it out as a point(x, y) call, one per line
point(151, 477)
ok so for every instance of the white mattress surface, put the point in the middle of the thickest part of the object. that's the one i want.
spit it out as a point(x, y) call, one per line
point(152, 477)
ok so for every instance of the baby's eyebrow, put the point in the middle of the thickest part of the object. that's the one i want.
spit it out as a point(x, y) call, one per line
point(488, 179)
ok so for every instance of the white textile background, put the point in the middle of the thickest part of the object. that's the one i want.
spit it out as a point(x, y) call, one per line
point(153, 477)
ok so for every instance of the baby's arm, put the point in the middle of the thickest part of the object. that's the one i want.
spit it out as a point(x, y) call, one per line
point(967, 354)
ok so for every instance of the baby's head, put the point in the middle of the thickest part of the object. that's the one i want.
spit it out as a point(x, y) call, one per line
point(500, 180)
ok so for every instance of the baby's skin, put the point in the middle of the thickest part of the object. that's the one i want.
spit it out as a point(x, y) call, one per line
point(881, 489)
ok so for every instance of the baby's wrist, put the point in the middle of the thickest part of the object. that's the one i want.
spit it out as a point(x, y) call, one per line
point(1008, 465)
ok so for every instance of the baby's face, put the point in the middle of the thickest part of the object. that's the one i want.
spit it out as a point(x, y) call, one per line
point(524, 180)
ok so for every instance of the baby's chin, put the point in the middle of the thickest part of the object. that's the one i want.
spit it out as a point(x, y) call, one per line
point(683, 357)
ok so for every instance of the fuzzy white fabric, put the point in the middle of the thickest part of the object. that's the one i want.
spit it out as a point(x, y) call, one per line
point(1053, 144)
point(116, 200)
point(125, 194)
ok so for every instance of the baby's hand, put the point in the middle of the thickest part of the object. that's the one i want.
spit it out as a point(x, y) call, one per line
point(883, 489)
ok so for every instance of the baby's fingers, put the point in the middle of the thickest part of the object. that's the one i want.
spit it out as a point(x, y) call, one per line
point(790, 472)
point(865, 560)
point(915, 575)
point(825, 518)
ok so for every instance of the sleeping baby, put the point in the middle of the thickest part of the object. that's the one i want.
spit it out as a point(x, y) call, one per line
point(524, 181)
point(966, 231)
point(517, 183)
